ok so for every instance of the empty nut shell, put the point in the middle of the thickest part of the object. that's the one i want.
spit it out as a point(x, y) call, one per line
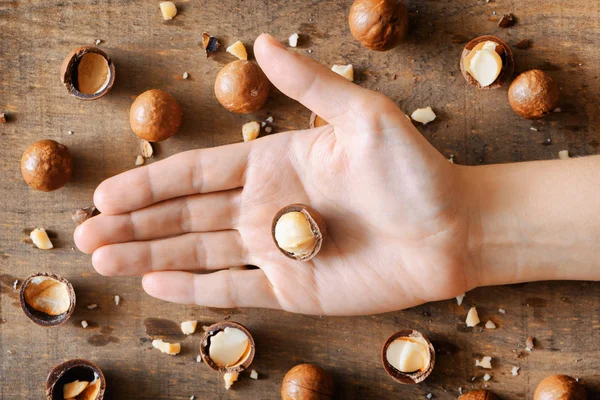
point(317, 231)
point(378, 24)
point(88, 73)
point(46, 165)
point(505, 53)
point(533, 94)
point(47, 299)
point(316, 121)
point(76, 370)
point(155, 115)
point(559, 387)
point(478, 395)
point(247, 357)
point(242, 87)
point(307, 382)
point(411, 377)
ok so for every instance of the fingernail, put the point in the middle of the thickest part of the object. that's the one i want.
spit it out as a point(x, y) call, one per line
point(274, 41)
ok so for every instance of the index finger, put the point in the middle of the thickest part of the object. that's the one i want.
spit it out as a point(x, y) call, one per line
point(192, 172)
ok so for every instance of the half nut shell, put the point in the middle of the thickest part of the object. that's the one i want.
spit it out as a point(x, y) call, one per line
point(317, 226)
point(508, 62)
point(69, 73)
point(246, 359)
point(71, 371)
point(402, 377)
point(47, 299)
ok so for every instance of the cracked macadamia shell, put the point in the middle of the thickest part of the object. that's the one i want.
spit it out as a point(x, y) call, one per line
point(47, 299)
point(533, 94)
point(155, 115)
point(412, 377)
point(505, 53)
point(478, 395)
point(46, 165)
point(317, 227)
point(75, 370)
point(88, 73)
point(378, 24)
point(559, 387)
point(307, 382)
point(205, 347)
point(242, 87)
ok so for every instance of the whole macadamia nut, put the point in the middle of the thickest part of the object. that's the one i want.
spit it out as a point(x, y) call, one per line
point(533, 94)
point(242, 87)
point(46, 165)
point(478, 395)
point(155, 115)
point(307, 382)
point(378, 24)
point(559, 387)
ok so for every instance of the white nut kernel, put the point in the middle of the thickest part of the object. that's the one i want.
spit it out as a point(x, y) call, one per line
point(167, 348)
point(229, 378)
point(423, 115)
point(40, 238)
point(188, 327)
point(347, 71)
point(293, 234)
point(168, 9)
point(490, 325)
point(293, 40)
point(250, 131)
point(238, 49)
point(472, 318)
point(483, 63)
point(486, 362)
point(409, 354)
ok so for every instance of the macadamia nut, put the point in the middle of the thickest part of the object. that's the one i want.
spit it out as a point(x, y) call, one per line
point(409, 354)
point(484, 63)
point(47, 295)
point(40, 238)
point(168, 10)
point(293, 234)
point(228, 347)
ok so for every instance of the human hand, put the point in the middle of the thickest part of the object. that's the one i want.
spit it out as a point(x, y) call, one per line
point(397, 229)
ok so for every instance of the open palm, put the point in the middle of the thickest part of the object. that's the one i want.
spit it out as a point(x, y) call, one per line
point(397, 230)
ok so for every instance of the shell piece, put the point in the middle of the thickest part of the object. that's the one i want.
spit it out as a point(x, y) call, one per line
point(508, 62)
point(378, 24)
point(43, 301)
point(46, 165)
point(533, 94)
point(242, 87)
point(69, 72)
point(76, 370)
point(244, 361)
point(402, 377)
point(307, 381)
point(317, 226)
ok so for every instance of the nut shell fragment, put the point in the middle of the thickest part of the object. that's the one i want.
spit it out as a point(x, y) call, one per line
point(76, 370)
point(316, 224)
point(47, 299)
point(69, 72)
point(508, 62)
point(243, 363)
point(412, 377)
point(307, 382)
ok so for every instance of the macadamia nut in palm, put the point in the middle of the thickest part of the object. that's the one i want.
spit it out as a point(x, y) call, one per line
point(298, 231)
point(242, 87)
point(155, 115)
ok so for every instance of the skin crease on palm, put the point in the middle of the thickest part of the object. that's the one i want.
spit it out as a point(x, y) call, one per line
point(397, 231)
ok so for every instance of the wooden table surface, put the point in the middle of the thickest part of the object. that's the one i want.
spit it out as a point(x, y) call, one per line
point(476, 126)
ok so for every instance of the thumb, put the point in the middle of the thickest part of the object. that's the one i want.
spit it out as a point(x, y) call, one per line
point(326, 93)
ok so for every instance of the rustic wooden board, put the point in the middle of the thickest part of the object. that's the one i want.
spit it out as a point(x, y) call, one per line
point(477, 127)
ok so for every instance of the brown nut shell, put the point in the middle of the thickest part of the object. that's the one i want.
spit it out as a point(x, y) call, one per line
point(378, 24)
point(559, 387)
point(242, 87)
point(46, 165)
point(155, 115)
point(205, 345)
point(399, 376)
point(42, 318)
point(533, 94)
point(317, 226)
point(316, 121)
point(307, 382)
point(479, 395)
point(508, 62)
point(69, 73)
point(70, 371)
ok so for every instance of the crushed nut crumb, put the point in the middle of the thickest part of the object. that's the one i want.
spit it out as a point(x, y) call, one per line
point(117, 299)
point(486, 362)
point(502, 311)
point(146, 148)
point(268, 129)
point(139, 160)
point(84, 324)
point(92, 306)
point(15, 284)
point(459, 299)
point(185, 75)
point(199, 358)
point(2, 118)
point(98, 41)
point(487, 377)
point(490, 325)
point(515, 371)
point(253, 374)
point(564, 155)
point(293, 40)
point(69, 132)
point(529, 343)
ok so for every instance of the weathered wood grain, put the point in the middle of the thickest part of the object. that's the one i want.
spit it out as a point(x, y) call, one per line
point(477, 127)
